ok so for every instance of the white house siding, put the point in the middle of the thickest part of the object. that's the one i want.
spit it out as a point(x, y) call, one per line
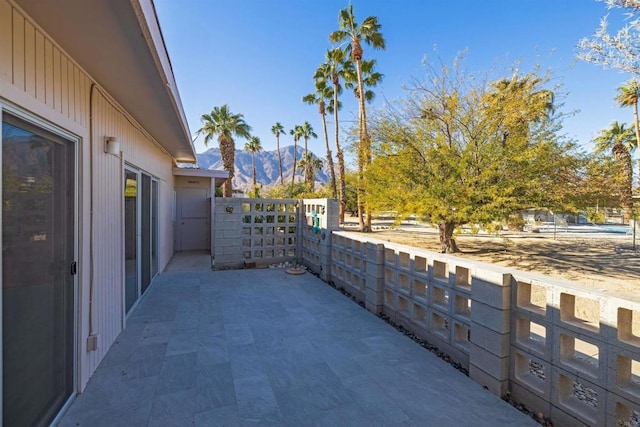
point(38, 77)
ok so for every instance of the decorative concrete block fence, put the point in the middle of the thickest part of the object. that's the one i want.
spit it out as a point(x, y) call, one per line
point(255, 232)
point(568, 352)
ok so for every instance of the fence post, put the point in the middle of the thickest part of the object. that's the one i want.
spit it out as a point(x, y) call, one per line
point(331, 216)
point(490, 329)
point(374, 298)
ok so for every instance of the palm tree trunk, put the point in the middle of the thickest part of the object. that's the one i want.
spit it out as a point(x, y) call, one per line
point(228, 154)
point(362, 152)
point(332, 172)
point(279, 160)
point(305, 170)
point(627, 202)
point(295, 165)
point(253, 166)
point(343, 186)
point(637, 126)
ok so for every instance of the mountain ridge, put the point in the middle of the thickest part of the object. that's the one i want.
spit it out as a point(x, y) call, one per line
point(267, 170)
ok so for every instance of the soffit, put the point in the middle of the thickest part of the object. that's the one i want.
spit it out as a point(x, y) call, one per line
point(119, 43)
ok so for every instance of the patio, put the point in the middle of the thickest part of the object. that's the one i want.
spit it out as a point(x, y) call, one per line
point(262, 347)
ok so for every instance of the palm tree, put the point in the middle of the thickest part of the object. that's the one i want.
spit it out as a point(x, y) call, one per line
point(371, 78)
point(253, 145)
point(277, 130)
point(296, 132)
point(354, 34)
point(628, 96)
point(322, 94)
point(221, 122)
point(306, 131)
point(620, 140)
point(309, 164)
point(337, 66)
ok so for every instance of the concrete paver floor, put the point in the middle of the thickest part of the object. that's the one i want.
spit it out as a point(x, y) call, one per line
point(260, 347)
point(189, 261)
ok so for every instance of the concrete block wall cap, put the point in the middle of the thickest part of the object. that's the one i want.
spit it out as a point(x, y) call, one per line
point(491, 294)
point(547, 281)
point(615, 300)
point(494, 276)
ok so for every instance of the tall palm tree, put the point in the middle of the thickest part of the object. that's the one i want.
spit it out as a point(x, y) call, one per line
point(336, 68)
point(620, 140)
point(221, 122)
point(320, 97)
point(310, 164)
point(628, 96)
point(277, 130)
point(371, 78)
point(306, 131)
point(253, 146)
point(296, 132)
point(354, 35)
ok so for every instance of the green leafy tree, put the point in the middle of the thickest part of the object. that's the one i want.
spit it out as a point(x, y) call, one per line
point(224, 125)
point(253, 146)
point(323, 94)
point(278, 130)
point(602, 182)
point(337, 68)
point(354, 35)
point(450, 162)
point(620, 141)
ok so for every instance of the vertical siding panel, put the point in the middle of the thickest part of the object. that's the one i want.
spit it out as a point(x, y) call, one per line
point(18, 49)
point(86, 88)
point(6, 36)
point(48, 72)
point(30, 58)
point(57, 87)
point(64, 86)
point(71, 90)
point(40, 68)
point(76, 94)
point(108, 214)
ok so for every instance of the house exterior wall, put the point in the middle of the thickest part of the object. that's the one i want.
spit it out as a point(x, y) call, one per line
point(39, 78)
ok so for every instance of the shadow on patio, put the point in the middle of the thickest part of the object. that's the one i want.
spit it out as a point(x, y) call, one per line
point(263, 347)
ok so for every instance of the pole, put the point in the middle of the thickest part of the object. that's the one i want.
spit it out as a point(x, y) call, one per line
point(634, 230)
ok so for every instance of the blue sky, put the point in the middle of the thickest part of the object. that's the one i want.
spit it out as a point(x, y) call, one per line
point(259, 56)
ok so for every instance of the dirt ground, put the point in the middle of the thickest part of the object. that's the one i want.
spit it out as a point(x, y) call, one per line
point(603, 260)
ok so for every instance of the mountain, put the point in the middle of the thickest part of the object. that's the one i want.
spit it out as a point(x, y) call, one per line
point(267, 171)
